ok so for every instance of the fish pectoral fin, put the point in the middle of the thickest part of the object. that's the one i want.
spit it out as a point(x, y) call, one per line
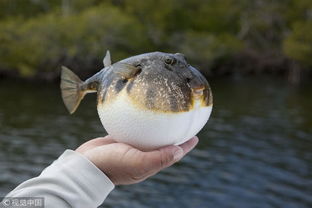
point(71, 89)
point(126, 71)
point(107, 59)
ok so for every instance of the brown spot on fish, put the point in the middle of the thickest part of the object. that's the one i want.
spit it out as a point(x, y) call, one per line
point(174, 107)
point(120, 84)
point(150, 98)
point(130, 85)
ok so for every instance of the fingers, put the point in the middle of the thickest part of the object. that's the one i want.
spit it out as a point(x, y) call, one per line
point(124, 164)
point(95, 143)
point(166, 156)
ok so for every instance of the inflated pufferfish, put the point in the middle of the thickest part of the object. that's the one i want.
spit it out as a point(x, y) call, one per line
point(147, 101)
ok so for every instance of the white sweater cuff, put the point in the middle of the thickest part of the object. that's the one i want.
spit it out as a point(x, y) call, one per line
point(70, 181)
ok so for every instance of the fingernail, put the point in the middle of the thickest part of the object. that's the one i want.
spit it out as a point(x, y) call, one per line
point(178, 154)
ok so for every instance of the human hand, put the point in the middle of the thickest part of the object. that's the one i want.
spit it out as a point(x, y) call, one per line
point(124, 164)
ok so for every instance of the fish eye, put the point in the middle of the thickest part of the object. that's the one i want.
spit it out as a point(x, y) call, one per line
point(170, 60)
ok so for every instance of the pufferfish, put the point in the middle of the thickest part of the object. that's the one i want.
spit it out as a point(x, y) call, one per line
point(147, 101)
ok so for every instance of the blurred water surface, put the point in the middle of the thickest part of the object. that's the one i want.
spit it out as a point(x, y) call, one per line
point(255, 151)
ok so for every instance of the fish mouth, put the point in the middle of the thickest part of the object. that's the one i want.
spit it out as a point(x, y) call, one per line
point(198, 92)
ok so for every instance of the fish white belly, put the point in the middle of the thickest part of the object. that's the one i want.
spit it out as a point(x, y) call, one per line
point(146, 129)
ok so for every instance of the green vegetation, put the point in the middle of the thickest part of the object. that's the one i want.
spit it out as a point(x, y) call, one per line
point(220, 36)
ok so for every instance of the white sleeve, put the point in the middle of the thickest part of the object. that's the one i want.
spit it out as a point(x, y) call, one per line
point(70, 181)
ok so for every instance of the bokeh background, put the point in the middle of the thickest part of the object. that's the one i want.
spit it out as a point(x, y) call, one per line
point(220, 36)
point(255, 151)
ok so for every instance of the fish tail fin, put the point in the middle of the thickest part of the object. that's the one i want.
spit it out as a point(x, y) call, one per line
point(71, 90)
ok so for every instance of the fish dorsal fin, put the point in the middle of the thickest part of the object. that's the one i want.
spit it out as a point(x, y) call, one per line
point(126, 71)
point(107, 59)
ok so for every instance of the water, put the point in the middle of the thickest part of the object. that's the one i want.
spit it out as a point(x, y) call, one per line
point(255, 151)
